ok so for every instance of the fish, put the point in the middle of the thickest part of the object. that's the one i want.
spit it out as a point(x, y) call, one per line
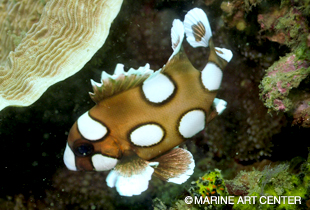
point(142, 116)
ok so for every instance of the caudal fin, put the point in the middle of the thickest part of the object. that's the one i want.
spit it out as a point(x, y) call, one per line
point(198, 33)
point(197, 28)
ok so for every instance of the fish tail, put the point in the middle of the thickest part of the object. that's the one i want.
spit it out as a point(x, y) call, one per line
point(199, 34)
point(197, 28)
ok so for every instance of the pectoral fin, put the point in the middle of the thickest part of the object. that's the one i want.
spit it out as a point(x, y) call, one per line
point(176, 166)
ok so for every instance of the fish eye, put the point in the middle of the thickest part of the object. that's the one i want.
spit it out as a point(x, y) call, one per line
point(83, 149)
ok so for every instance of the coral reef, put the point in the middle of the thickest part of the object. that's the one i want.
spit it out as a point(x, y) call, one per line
point(16, 18)
point(240, 134)
point(276, 181)
point(274, 187)
point(210, 184)
point(285, 23)
point(301, 114)
point(33, 138)
point(283, 76)
point(283, 87)
point(43, 44)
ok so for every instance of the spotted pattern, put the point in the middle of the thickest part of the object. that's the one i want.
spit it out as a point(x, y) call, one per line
point(147, 135)
point(69, 158)
point(158, 88)
point(91, 129)
point(211, 76)
point(191, 123)
point(103, 163)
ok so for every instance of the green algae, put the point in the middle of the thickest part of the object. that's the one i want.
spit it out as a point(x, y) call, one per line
point(287, 74)
point(274, 188)
point(276, 181)
point(293, 26)
point(249, 4)
point(281, 77)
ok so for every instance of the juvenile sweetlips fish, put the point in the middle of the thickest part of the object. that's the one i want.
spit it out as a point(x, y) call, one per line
point(141, 116)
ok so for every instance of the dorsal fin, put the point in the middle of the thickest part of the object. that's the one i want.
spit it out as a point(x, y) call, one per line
point(118, 82)
point(177, 36)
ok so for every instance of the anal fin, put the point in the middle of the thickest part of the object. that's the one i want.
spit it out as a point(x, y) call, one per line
point(176, 166)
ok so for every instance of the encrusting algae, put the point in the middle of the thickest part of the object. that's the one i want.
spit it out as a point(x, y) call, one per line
point(284, 87)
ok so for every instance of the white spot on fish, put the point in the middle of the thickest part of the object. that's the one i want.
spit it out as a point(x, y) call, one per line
point(192, 123)
point(158, 88)
point(211, 76)
point(103, 163)
point(69, 158)
point(147, 135)
point(91, 129)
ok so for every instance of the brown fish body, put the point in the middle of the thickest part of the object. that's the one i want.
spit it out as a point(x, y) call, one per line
point(141, 116)
point(128, 110)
